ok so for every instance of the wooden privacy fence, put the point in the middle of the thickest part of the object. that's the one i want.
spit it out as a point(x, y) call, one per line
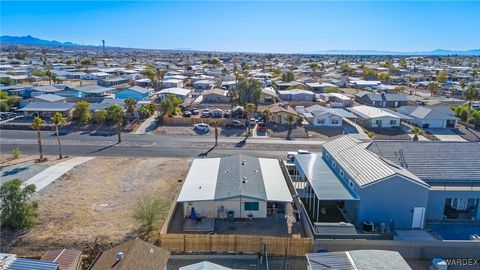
point(188, 121)
point(212, 243)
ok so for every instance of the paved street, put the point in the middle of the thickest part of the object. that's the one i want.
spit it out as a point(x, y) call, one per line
point(80, 144)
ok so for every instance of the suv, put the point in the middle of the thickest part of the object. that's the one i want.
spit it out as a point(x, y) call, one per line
point(261, 127)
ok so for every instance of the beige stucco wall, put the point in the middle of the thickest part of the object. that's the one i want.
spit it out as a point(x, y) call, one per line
point(210, 208)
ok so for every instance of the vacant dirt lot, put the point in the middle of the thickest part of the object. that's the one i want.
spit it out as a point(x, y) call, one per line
point(96, 200)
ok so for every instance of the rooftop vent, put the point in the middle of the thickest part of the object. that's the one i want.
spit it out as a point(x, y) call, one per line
point(120, 256)
point(243, 162)
point(244, 179)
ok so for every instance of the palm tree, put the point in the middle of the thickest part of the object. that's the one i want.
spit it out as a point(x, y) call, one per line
point(290, 120)
point(471, 93)
point(130, 105)
point(50, 76)
point(58, 121)
point(433, 87)
point(116, 116)
point(416, 131)
point(267, 114)
point(36, 124)
point(250, 108)
point(215, 124)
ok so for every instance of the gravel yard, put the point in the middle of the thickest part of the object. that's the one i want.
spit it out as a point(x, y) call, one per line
point(96, 200)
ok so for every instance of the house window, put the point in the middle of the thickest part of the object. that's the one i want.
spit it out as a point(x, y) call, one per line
point(335, 122)
point(334, 164)
point(341, 173)
point(350, 183)
point(378, 122)
point(320, 121)
point(250, 206)
point(393, 122)
point(327, 156)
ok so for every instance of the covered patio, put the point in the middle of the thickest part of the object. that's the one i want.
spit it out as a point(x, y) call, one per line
point(321, 190)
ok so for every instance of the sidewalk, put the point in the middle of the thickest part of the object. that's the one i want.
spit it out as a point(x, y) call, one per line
point(52, 173)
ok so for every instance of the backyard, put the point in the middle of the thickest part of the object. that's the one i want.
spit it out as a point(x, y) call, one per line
point(95, 201)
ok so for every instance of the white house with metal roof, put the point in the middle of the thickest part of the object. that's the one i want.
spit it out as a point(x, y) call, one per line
point(243, 186)
point(430, 116)
point(377, 117)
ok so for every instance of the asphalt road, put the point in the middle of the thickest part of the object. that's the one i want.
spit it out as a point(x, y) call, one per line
point(150, 145)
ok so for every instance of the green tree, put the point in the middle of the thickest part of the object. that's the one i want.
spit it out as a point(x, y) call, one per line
point(346, 68)
point(58, 120)
point(290, 119)
point(117, 118)
point(130, 106)
point(82, 112)
point(331, 89)
point(471, 93)
point(170, 104)
point(384, 77)
point(267, 115)
point(149, 211)
point(247, 91)
point(416, 131)
point(370, 73)
point(399, 89)
point(36, 124)
point(250, 109)
point(16, 210)
point(3, 95)
point(38, 73)
point(288, 76)
point(100, 116)
point(6, 81)
point(442, 76)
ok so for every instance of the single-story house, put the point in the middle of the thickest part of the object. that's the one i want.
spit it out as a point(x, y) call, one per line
point(203, 84)
point(96, 76)
point(134, 254)
point(238, 185)
point(170, 83)
point(322, 116)
point(178, 92)
point(382, 100)
point(48, 98)
point(205, 265)
point(430, 116)
point(268, 96)
point(110, 82)
point(377, 117)
point(337, 99)
point(279, 85)
point(93, 90)
point(47, 109)
point(319, 87)
point(365, 84)
point(75, 75)
point(215, 96)
point(229, 85)
point(364, 186)
point(357, 259)
point(296, 95)
point(136, 92)
point(280, 113)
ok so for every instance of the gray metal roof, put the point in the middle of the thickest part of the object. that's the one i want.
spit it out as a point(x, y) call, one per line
point(94, 89)
point(365, 167)
point(47, 107)
point(46, 89)
point(240, 175)
point(49, 97)
point(425, 112)
point(434, 161)
point(138, 89)
point(357, 260)
point(323, 180)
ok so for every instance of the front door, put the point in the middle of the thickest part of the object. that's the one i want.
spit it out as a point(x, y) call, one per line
point(418, 217)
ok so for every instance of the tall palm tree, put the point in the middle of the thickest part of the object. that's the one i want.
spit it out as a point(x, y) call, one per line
point(215, 124)
point(250, 108)
point(116, 116)
point(471, 93)
point(290, 119)
point(36, 124)
point(58, 121)
point(267, 114)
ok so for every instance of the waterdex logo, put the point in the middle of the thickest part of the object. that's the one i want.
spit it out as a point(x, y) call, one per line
point(462, 262)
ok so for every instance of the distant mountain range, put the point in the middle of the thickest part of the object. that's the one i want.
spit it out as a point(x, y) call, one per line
point(34, 41)
point(438, 52)
point(29, 40)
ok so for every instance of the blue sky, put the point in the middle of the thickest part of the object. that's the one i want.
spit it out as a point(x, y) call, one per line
point(266, 26)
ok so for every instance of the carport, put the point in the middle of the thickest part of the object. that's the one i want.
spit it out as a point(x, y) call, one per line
point(324, 193)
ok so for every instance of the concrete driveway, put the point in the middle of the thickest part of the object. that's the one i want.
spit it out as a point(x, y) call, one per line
point(445, 134)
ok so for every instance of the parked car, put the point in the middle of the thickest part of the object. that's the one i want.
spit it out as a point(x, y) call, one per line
point(262, 127)
point(253, 121)
point(187, 114)
point(216, 113)
point(236, 124)
point(194, 111)
point(202, 127)
point(227, 114)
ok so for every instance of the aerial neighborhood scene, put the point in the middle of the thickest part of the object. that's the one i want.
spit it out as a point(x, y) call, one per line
point(264, 135)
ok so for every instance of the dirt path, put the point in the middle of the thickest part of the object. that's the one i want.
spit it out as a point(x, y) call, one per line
point(96, 200)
